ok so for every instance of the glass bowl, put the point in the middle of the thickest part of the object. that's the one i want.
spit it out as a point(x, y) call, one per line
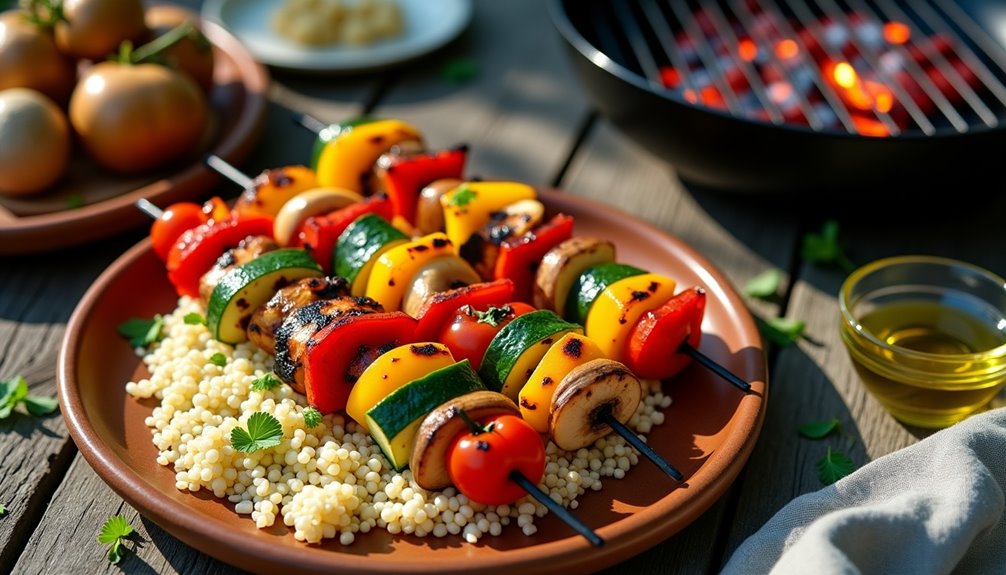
point(927, 336)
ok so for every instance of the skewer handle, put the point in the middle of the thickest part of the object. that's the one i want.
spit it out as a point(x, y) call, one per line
point(641, 446)
point(225, 169)
point(716, 368)
point(543, 498)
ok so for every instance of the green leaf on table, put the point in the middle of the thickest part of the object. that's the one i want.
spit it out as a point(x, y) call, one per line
point(834, 466)
point(142, 332)
point(782, 331)
point(114, 532)
point(264, 431)
point(265, 383)
point(218, 359)
point(824, 248)
point(3, 510)
point(12, 392)
point(194, 319)
point(458, 70)
point(820, 429)
point(312, 417)
point(764, 285)
point(38, 405)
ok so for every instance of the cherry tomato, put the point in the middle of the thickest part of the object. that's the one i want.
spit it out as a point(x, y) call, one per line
point(480, 461)
point(469, 332)
point(172, 223)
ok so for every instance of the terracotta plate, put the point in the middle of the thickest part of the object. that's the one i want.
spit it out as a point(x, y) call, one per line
point(710, 431)
point(45, 222)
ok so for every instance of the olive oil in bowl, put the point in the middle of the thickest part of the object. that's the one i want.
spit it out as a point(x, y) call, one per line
point(927, 336)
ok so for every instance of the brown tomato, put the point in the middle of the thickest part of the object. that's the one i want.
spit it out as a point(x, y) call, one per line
point(29, 58)
point(133, 118)
point(94, 29)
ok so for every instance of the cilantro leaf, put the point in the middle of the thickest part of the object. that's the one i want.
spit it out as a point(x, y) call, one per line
point(3, 510)
point(463, 196)
point(218, 359)
point(820, 429)
point(12, 392)
point(312, 417)
point(824, 247)
point(264, 431)
point(113, 532)
point(764, 285)
point(142, 332)
point(834, 466)
point(39, 405)
point(194, 319)
point(781, 331)
point(265, 383)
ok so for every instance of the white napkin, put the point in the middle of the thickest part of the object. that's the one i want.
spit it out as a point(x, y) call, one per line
point(933, 507)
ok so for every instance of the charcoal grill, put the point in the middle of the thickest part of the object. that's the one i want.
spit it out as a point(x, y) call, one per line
point(781, 96)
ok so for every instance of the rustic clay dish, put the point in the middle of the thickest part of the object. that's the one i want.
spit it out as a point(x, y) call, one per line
point(45, 222)
point(710, 431)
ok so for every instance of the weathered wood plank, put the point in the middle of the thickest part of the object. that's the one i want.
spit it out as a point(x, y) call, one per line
point(741, 240)
point(815, 379)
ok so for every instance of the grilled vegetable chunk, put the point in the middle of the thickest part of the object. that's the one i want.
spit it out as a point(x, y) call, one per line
point(267, 318)
point(585, 396)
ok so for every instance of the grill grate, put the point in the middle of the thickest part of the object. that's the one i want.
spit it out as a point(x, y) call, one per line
point(862, 67)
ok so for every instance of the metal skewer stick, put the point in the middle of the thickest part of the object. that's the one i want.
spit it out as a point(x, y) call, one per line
point(716, 368)
point(147, 207)
point(225, 169)
point(641, 446)
point(309, 122)
point(543, 498)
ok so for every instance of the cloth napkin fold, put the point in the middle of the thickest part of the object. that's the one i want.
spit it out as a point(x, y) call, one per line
point(938, 506)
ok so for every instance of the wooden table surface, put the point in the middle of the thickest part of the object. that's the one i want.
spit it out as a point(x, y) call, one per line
point(525, 117)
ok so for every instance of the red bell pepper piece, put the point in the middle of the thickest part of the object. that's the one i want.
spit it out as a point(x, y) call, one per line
point(519, 258)
point(198, 248)
point(651, 351)
point(406, 177)
point(320, 233)
point(438, 309)
point(339, 352)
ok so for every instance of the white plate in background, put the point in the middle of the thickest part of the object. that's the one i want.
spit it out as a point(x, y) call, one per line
point(428, 25)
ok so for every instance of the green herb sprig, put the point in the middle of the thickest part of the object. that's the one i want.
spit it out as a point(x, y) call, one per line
point(114, 533)
point(15, 391)
point(264, 431)
point(764, 285)
point(834, 466)
point(824, 248)
point(312, 417)
point(142, 332)
point(265, 383)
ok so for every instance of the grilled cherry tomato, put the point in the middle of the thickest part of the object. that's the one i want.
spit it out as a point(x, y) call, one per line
point(182, 216)
point(470, 331)
point(481, 460)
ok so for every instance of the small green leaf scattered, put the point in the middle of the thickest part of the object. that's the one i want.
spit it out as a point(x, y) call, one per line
point(834, 466)
point(312, 417)
point(115, 530)
point(15, 391)
point(463, 196)
point(824, 248)
point(459, 70)
point(74, 201)
point(218, 359)
point(142, 332)
point(265, 383)
point(764, 285)
point(194, 319)
point(782, 331)
point(820, 429)
point(3, 510)
point(264, 431)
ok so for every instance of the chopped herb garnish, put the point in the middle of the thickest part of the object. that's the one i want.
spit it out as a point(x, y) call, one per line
point(15, 391)
point(194, 319)
point(312, 417)
point(218, 359)
point(820, 429)
point(74, 201)
point(114, 532)
point(834, 466)
point(782, 331)
point(459, 70)
point(3, 510)
point(824, 248)
point(494, 315)
point(142, 332)
point(764, 285)
point(264, 431)
point(463, 196)
point(265, 383)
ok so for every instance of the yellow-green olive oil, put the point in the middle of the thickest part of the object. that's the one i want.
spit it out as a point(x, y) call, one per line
point(928, 392)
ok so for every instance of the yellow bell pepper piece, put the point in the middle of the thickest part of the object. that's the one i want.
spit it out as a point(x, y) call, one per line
point(392, 370)
point(468, 207)
point(535, 397)
point(395, 268)
point(526, 364)
point(347, 159)
point(273, 188)
point(617, 310)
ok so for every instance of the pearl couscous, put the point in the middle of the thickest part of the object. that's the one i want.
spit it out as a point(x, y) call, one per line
point(331, 480)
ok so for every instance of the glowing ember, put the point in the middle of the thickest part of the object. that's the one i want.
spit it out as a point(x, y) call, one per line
point(747, 50)
point(786, 49)
point(845, 75)
point(897, 32)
